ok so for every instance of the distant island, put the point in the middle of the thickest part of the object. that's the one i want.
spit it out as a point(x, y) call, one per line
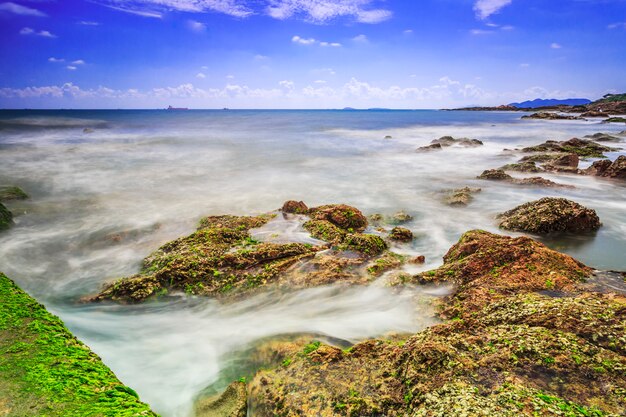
point(532, 104)
point(176, 108)
point(609, 104)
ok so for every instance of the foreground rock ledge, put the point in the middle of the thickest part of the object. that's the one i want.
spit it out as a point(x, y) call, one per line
point(46, 371)
point(510, 349)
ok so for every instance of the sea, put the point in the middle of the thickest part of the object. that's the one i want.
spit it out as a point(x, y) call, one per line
point(108, 187)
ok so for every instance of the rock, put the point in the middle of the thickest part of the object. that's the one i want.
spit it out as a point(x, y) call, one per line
point(539, 182)
point(389, 260)
point(580, 147)
point(6, 217)
point(603, 137)
point(220, 259)
point(12, 193)
point(433, 147)
point(369, 245)
point(401, 217)
point(594, 114)
point(346, 217)
point(233, 402)
point(461, 196)
point(446, 141)
point(420, 259)
point(88, 130)
point(401, 234)
point(524, 166)
point(569, 160)
point(388, 137)
point(376, 218)
point(297, 207)
point(551, 116)
point(608, 169)
point(507, 351)
point(615, 120)
point(549, 215)
point(495, 174)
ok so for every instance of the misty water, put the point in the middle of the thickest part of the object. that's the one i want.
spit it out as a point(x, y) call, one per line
point(103, 199)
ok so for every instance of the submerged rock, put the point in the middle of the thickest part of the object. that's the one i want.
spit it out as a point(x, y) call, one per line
point(495, 174)
point(551, 116)
point(461, 196)
point(580, 147)
point(608, 169)
point(12, 193)
point(233, 402)
point(615, 120)
point(524, 166)
point(401, 217)
point(509, 351)
point(401, 234)
point(549, 215)
point(6, 217)
point(603, 137)
point(446, 141)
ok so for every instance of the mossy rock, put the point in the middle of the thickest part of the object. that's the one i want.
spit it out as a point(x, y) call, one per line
point(495, 175)
point(581, 147)
point(549, 215)
point(525, 166)
point(233, 402)
point(343, 216)
point(46, 371)
point(12, 193)
point(6, 217)
point(370, 245)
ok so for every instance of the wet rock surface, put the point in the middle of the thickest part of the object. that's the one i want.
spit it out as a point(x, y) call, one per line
point(461, 196)
point(8, 193)
point(297, 207)
point(500, 175)
point(608, 169)
point(580, 147)
point(549, 215)
point(507, 349)
point(233, 402)
point(603, 137)
point(551, 116)
point(401, 234)
point(446, 141)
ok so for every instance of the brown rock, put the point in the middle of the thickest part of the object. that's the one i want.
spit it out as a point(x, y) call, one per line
point(233, 402)
point(341, 215)
point(495, 174)
point(608, 169)
point(401, 234)
point(293, 206)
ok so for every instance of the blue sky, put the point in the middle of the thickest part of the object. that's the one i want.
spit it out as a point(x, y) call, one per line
point(307, 53)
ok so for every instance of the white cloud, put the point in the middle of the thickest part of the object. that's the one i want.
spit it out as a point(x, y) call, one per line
point(555, 45)
point(481, 32)
point(322, 11)
point(204, 67)
point(507, 27)
point(360, 38)
point(485, 8)
point(200, 75)
point(78, 62)
point(155, 8)
point(53, 59)
point(524, 65)
point(320, 81)
point(617, 25)
point(287, 84)
point(302, 41)
point(196, 26)
point(71, 67)
point(30, 31)
point(332, 44)
point(14, 8)
point(88, 23)
point(230, 76)
point(408, 31)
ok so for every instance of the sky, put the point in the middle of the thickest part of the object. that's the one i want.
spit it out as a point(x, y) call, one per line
point(307, 53)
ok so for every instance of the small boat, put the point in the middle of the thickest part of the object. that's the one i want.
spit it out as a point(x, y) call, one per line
point(176, 108)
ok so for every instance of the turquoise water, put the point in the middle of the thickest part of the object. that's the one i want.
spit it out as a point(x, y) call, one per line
point(102, 199)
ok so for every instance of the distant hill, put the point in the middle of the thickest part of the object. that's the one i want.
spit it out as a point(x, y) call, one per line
point(531, 104)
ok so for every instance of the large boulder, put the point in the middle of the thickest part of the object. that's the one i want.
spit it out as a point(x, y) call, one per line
point(297, 207)
point(549, 215)
point(580, 147)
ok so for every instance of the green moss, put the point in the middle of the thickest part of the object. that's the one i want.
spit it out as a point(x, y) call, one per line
point(615, 120)
point(46, 371)
point(6, 218)
point(12, 193)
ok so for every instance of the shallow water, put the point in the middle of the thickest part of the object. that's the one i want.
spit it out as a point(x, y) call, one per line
point(102, 201)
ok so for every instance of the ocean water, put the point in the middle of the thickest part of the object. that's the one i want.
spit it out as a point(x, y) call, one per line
point(105, 197)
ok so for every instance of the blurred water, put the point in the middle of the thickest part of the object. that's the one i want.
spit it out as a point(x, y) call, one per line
point(103, 199)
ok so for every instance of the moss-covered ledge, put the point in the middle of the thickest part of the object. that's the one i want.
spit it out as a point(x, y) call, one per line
point(45, 371)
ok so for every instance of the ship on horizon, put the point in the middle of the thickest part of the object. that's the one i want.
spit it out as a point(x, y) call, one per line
point(176, 108)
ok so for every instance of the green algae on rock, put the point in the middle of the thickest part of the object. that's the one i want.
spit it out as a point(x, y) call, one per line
point(581, 147)
point(12, 193)
point(233, 402)
point(549, 215)
point(219, 259)
point(6, 217)
point(401, 234)
point(508, 350)
point(46, 371)
point(461, 196)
